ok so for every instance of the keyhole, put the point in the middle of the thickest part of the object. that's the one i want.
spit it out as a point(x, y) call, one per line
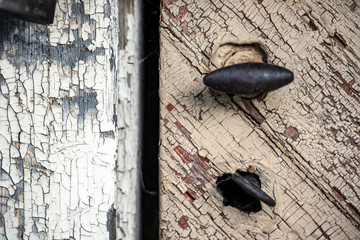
point(235, 196)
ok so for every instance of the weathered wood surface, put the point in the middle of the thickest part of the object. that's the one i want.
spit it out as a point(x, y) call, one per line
point(303, 138)
point(129, 123)
point(69, 124)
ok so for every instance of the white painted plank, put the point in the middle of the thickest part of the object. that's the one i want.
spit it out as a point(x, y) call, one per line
point(69, 124)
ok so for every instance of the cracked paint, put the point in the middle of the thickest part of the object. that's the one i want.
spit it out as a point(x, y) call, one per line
point(303, 138)
point(58, 133)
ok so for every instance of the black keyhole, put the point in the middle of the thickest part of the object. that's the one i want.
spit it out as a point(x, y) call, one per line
point(235, 196)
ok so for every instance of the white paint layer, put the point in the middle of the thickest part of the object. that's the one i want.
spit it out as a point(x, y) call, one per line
point(129, 126)
point(63, 159)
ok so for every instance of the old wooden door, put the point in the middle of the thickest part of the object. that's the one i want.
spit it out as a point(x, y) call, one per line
point(69, 123)
point(303, 139)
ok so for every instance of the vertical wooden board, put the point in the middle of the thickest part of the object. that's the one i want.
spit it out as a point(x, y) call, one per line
point(128, 125)
point(205, 134)
point(59, 121)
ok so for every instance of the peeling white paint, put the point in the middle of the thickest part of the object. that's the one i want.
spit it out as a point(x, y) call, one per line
point(59, 143)
point(129, 127)
point(306, 146)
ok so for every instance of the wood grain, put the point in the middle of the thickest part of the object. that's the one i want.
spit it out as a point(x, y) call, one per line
point(303, 138)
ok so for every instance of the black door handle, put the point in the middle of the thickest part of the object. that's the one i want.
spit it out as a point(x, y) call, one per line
point(248, 79)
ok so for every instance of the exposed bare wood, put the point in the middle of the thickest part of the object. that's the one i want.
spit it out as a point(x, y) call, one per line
point(303, 139)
